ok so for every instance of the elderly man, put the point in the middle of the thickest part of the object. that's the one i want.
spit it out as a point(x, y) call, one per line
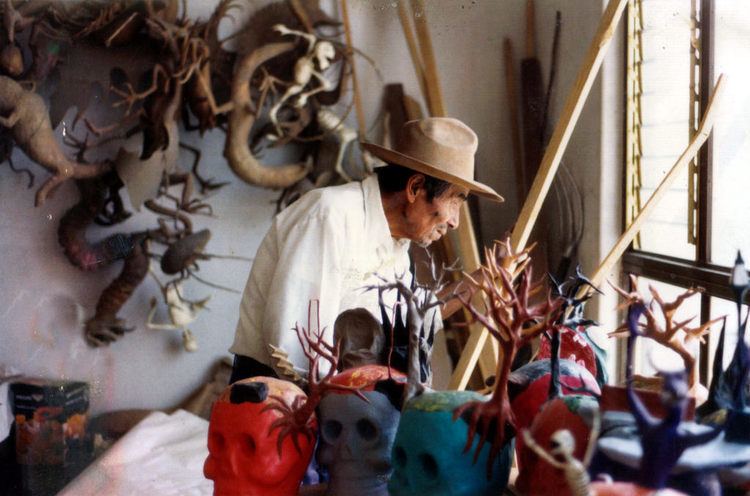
point(335, 241)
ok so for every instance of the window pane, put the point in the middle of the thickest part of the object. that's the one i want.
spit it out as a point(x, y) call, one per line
point(731, 135)
point(649, 353)
point(664, 110)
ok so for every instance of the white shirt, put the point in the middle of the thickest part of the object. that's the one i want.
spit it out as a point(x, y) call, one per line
point(326, 246)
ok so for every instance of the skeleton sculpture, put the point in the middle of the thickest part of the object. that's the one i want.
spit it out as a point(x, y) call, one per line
point(320, 52)
point(562, 457)
point(181, 313)
point(247, 456)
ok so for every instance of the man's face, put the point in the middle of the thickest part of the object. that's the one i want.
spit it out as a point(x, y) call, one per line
point(428, 221)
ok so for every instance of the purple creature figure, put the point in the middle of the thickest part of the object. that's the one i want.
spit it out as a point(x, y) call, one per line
point(661, 439)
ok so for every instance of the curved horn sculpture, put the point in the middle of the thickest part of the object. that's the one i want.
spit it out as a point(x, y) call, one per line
point(241, 120)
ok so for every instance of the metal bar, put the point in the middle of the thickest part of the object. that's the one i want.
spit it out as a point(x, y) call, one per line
point(714, 279)
point(705, 159)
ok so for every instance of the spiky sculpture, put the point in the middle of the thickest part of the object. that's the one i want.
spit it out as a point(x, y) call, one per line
point(673, 335)
point(298, 417)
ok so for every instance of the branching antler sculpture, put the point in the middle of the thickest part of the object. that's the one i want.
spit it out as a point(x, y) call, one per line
point(297, 417)
point(673, 335)
point(513, 321)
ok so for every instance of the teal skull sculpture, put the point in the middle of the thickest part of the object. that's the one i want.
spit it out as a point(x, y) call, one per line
point(428, 452)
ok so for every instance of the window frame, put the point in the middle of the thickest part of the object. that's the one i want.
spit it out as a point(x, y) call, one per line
point(676, 271)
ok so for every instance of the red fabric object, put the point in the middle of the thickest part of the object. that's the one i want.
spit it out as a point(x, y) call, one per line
point(244, 457)
point(572, 347)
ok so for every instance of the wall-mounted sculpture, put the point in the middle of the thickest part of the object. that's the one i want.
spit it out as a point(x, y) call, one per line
point(131, 69)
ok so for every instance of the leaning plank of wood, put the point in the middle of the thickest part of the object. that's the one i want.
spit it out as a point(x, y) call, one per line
point(361, 126)
point(411, 43)
point(432, 82)
point(550, 162)
point(512, 101)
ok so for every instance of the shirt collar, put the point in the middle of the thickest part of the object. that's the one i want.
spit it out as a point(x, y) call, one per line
point(375, 221)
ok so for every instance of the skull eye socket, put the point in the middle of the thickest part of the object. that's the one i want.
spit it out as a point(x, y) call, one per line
point(366, 429)
point(399, 457)
point(429, 465)
point(331, 430)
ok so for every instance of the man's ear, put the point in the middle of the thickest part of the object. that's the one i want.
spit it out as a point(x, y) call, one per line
point(413, 185)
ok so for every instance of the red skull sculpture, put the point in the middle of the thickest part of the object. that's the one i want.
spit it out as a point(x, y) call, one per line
point(247, 456)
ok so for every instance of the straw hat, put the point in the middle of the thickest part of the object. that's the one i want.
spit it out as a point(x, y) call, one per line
point(440, 147)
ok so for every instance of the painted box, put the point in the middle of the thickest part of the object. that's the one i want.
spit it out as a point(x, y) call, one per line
point(50, 418)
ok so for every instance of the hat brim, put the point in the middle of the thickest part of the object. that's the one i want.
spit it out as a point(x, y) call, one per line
point(394, 157)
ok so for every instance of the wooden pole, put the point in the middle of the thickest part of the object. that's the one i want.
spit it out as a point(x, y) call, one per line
point(622, 243)
point(411, 43)
point(515, 132)
point(432, 82)
point(564, 128)
point(355, 83)
point(551, 161)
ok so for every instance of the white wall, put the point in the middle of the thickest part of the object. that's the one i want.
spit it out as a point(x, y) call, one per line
point(41, 291)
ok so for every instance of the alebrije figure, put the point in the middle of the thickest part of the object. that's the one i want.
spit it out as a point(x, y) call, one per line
point(356, 437)
point(298, 416)
point(409, 338)
point(561, 456)
point(661, 440)
point(672, 335)
point(566, 411)
point(428, 453)
point(506, 287)
point(246, 456)
point(728, 390)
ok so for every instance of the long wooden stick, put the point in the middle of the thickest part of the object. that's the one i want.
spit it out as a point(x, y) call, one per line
point(411, 43)
point(550, 162)
point(564, 128)
point(515, 132)
point(432, 82)
point(622, 243)
point(355, 83)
